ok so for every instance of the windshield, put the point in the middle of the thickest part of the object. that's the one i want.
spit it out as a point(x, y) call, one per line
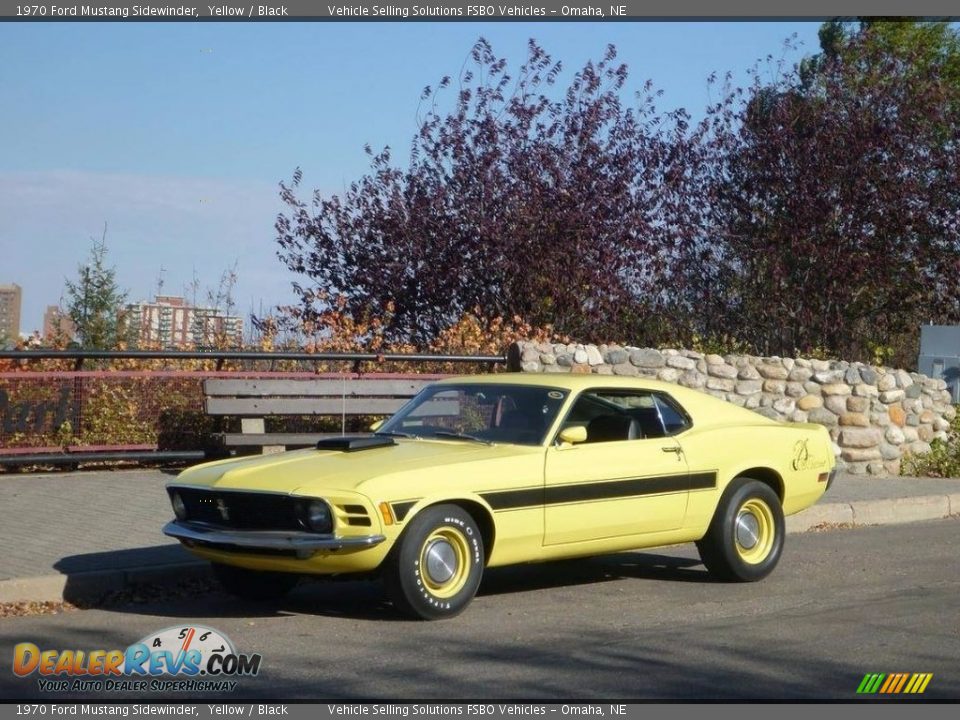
point(519, 414)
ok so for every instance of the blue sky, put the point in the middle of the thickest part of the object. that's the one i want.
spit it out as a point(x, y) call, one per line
point(176, 134)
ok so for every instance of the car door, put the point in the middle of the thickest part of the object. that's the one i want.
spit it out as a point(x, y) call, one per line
point(629, 477)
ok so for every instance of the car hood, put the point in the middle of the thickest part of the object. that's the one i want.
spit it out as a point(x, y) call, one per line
point(303, 471)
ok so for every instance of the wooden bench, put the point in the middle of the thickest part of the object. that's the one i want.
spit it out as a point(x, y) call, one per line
point(252, 400)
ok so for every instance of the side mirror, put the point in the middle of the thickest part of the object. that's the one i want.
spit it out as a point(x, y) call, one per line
point(573, 435)
point(376, 425)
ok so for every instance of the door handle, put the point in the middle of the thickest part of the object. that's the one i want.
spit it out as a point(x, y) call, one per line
point(675, 449)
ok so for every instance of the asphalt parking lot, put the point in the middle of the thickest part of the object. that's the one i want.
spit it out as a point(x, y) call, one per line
point(642, 625)
point(109, 534)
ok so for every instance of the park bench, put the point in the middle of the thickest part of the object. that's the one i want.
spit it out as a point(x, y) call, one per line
point(253, 400)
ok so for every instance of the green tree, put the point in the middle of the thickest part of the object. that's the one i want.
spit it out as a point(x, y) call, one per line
point(838, 195)
point(95, 303)
point(928, 51)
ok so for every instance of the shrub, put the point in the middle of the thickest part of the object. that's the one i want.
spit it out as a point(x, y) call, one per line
point(942, 461)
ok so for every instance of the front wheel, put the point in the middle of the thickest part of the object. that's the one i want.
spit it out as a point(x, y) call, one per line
point(255, 585)
point(435, 569)
point(745, 538)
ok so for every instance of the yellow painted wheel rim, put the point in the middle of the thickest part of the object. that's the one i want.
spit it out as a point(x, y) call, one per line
point(445, 562)
point(754, 531)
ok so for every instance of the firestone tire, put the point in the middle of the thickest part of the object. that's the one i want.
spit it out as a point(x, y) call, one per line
point(436, 567)
point(745, 538)
point(256, 585)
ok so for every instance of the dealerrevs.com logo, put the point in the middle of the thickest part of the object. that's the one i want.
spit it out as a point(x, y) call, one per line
point(178, 659)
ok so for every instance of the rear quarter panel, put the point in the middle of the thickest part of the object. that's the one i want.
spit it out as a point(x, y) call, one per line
point(790, 457)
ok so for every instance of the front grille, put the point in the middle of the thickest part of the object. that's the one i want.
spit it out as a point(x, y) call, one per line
point(240, 510)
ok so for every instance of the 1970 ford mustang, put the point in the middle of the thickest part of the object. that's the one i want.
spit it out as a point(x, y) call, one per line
point(477, 472)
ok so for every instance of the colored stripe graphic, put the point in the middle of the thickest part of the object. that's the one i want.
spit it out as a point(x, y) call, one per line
point(894, 683)
point(871, 683)
point(891, 681)
point(898, 681)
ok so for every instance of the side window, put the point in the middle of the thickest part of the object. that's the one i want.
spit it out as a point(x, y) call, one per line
point(616, 415)
point(586, 408)
point(674, 420)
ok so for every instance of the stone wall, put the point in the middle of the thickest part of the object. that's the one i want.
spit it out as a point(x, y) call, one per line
point(875, 415)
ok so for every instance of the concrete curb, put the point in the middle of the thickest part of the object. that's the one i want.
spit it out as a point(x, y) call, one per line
point(55, 588)
point(892, 511)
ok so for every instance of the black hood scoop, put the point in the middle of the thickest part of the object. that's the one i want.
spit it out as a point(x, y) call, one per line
point(348, 443)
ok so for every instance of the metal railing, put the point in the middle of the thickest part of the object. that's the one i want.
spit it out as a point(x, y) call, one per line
point(34, 403)
point(221, 356)
point(74, 459)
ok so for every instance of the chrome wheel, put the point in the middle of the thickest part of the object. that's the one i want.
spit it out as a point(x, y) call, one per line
point(754, 531)
point(748, 530)
point(444, 562)
point(441, 561)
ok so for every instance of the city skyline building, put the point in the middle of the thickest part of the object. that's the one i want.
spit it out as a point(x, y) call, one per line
point(169, 321)
point(11, 298)
point(57, 324)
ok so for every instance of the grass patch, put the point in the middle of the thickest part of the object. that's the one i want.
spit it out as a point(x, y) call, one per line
point(943, 460)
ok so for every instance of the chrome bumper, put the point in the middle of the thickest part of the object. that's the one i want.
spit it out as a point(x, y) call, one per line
point(303, 544)
point(833, 476)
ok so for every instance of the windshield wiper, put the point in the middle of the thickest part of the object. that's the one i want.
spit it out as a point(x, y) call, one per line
point(461, 436)
point(397, 433)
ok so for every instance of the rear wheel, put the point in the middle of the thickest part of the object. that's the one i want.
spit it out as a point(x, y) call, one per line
point(254, 584)
point(745, 538)
point(435, 569)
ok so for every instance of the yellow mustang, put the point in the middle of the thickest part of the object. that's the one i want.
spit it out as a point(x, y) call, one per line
point(477, 472)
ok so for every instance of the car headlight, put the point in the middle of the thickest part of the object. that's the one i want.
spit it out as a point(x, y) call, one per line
point(179, 508)
point(316, 517)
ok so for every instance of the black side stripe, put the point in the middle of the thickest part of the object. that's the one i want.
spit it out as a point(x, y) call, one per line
point(511, 499)
point(400, 509)
point(603, 490)
point(703, 481)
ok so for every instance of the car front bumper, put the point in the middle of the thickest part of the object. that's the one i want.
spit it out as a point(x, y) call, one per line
point(301, 545)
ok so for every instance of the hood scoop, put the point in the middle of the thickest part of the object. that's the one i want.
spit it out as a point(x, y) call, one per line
point(354, 443)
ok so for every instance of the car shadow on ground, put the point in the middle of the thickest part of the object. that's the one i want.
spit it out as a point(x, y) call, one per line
point(140, 559)
point(112, 577)
point(605, 568)
point(194, 593)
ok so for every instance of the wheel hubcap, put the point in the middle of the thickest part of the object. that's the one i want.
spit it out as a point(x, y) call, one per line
point(445, 562)
point(441, 561)
point(748, 530)
point(755, 531)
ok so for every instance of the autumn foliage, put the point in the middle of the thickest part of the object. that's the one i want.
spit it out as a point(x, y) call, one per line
point(562, 210)
point(815, 211)
point(838, 194)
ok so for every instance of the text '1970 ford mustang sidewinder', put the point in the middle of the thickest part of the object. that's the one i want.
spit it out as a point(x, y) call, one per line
point(478, 472)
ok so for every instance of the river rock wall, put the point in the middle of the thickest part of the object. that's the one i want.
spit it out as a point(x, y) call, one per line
point(875, 415)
